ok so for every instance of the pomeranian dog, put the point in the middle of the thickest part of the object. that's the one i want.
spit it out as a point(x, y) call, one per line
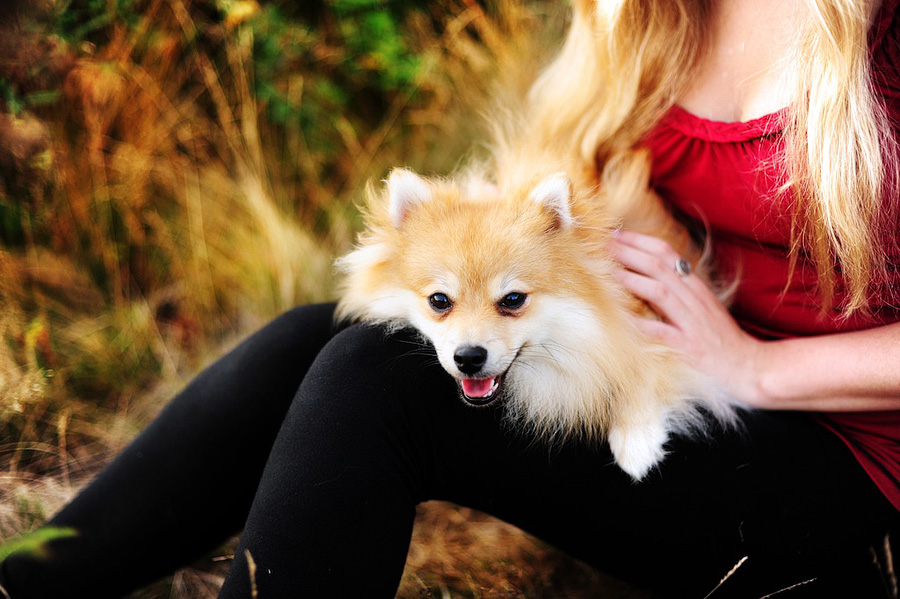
point(510, 278)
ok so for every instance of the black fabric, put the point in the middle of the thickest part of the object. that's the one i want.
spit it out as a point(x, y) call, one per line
point(321, 445)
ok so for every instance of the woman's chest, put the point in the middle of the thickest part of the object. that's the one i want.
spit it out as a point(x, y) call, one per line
point(728, 177)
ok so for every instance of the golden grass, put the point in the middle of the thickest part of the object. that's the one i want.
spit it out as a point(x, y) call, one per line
point(458, 552)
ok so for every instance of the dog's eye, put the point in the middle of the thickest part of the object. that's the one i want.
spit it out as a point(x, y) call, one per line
point(512, 301)
point(440, 302)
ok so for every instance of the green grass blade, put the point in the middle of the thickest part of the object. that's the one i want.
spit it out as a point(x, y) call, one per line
point(32, 543)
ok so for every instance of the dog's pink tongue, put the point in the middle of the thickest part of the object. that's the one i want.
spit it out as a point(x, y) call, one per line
point(477, 387)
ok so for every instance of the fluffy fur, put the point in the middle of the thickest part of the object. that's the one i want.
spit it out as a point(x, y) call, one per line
point(567, 361)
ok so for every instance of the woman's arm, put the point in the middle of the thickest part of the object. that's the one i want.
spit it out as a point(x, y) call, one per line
point(841, 372)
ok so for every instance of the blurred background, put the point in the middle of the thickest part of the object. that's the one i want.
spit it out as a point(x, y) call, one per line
point(174, 173)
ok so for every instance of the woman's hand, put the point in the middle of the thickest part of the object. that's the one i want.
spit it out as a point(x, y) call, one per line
point(854, 371)
point(694, 321)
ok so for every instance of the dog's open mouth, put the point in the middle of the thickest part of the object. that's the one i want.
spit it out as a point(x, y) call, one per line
point(480, 392)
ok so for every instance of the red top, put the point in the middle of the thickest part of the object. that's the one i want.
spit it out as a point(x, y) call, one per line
point(726, 176)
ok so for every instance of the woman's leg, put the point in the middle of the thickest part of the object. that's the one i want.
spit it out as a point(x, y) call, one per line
point(334, 509)
point(784, 493)
point(377, 427)
point(186, 483)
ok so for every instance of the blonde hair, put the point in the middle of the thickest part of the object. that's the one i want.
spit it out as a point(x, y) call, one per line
point(624, 62)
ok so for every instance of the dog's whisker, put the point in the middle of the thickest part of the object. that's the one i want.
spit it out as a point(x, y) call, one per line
point(430, 360)
point(549, 351)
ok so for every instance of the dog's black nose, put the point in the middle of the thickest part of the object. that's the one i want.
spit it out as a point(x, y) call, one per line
point(470, 358)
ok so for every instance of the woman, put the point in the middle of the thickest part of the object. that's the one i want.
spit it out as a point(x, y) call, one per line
point(328, 440)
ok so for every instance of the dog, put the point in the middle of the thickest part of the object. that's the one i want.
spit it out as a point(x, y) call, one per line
point(512, 282)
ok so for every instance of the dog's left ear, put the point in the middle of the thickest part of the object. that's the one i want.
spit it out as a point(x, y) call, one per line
point(405, 191)
point(555, 194)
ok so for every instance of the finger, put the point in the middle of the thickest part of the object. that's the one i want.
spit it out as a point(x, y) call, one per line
point(664, 300)
point(660, 331)
point(654, 258)
point(640, 259)
point(657, 246)
point(658, 268)
point(649, 243)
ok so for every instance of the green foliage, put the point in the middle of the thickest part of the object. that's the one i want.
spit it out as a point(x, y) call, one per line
point(373, 35)
point(11, 215)
point(10, 97)
point(34, 543)
point(81, 20)
point(307, 74)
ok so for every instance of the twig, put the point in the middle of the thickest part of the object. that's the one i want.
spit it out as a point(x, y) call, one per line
point(727, 576)
point(62, 425)
point(793, 586)
point(223, 558)
point(889, 565)
point(883, 576)
point(251, 566)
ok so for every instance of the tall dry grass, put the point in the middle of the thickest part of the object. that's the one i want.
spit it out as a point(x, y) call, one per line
point(169, 212)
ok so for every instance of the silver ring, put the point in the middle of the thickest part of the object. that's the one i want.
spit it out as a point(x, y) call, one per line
point(682, 267)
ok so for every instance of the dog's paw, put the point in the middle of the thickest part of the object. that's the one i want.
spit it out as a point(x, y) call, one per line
point(637, 449)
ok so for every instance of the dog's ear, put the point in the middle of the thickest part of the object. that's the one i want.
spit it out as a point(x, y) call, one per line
point(555, 194)
point(405, 190)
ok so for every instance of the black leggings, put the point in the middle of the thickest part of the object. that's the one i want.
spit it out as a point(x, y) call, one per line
point(320, 445)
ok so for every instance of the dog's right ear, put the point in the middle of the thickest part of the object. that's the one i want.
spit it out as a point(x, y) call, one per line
point(555, 194)
point(405, 191)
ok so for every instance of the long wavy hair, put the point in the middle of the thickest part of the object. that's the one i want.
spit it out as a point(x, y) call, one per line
point(625, 62)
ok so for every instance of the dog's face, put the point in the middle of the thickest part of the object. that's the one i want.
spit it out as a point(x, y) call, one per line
point(478, 327)
point(483, 274)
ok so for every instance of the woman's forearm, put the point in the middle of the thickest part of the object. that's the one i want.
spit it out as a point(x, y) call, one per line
point(856, 371)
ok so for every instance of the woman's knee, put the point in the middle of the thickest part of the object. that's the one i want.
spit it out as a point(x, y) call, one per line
point(355, 416)
point(369, 367)
point(369, 385)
